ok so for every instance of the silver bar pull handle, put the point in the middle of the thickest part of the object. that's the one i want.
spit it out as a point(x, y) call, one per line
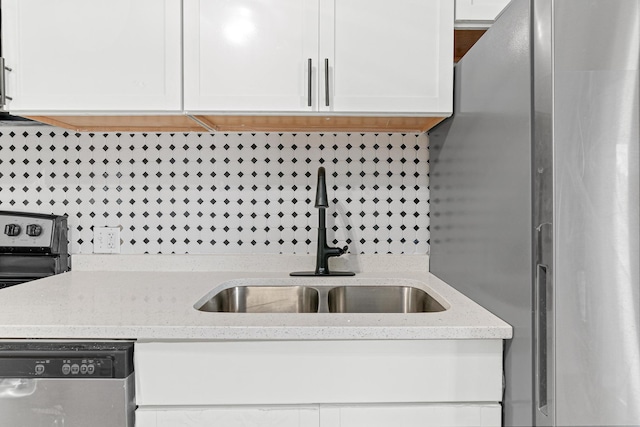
point(326, 81)
point(541, 335)
point(3, 85)
point(309, 82)
point(3, 93)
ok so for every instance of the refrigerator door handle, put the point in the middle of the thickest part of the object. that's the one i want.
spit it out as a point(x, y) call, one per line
point(541, 337)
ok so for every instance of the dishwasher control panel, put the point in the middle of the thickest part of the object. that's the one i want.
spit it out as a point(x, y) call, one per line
point(57, 367)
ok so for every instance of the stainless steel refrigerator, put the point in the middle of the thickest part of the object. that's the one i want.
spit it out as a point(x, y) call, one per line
point(535, 204)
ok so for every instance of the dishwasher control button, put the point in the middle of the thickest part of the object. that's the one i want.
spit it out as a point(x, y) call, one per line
point(66, 369)
point(91, 369)
point(39, 369)
point(75, 368)
point(83, 369)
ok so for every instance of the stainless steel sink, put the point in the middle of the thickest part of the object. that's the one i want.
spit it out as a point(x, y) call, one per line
point(278, 297)
point(264, 299)
point(381, 299)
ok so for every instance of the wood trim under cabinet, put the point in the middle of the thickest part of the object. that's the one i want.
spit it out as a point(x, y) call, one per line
point(174, 123)
point(463, 40)
point(318, 123)
point(240, 123)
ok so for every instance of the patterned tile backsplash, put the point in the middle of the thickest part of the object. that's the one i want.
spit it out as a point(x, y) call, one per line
point(222, 193)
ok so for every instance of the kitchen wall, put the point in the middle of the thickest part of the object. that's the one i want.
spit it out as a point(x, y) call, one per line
point(222, 193)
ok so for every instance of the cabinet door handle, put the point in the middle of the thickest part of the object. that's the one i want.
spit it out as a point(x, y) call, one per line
point(326, 81)
point(309, 82)
point(3, 85)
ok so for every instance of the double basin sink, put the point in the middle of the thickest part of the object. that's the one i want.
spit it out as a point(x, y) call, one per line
point(264, 297)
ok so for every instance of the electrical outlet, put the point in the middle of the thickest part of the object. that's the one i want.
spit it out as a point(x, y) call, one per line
point(106, 240)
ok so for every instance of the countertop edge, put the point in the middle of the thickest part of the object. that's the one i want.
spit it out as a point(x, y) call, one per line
point(243, 333)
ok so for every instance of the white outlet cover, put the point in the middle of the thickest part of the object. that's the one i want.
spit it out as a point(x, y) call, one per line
point(106, 240)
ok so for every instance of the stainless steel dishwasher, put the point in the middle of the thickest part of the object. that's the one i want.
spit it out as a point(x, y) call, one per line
point(66, 384)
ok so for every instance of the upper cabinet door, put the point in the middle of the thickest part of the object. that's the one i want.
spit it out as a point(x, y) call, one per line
point(92, 55)
point(250, 55)
point(479, 10)
point(387, 56)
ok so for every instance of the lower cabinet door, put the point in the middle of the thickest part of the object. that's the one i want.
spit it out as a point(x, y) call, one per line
point(379, 415)
point(412, 415)
point(229, 417)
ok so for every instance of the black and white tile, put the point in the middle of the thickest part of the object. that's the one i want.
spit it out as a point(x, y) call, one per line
point(222, 193)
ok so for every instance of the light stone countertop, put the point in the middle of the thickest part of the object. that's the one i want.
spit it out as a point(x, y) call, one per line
point(152, 297)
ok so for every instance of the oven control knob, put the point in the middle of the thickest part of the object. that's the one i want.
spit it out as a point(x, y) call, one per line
point(12, 230)
point(34, 230)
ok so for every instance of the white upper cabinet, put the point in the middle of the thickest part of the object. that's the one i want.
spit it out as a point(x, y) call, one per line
point(214, 59)
point(92, 55)
point(471, 11)
point(387, 56)
point(346, 56)
point(250, 55)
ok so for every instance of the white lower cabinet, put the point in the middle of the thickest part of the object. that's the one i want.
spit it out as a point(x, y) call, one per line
point(229, 417)
point(408, 415)
point(412, 415)
point(393, 383)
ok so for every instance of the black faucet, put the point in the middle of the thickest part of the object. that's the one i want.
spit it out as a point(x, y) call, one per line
point(324, 251)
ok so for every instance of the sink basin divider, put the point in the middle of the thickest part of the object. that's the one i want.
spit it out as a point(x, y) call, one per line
point(323, 295)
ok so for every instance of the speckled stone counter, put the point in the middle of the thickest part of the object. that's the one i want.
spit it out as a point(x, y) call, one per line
point(152, 297)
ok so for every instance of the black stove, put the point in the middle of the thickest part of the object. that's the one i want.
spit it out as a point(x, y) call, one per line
point(32, 246)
